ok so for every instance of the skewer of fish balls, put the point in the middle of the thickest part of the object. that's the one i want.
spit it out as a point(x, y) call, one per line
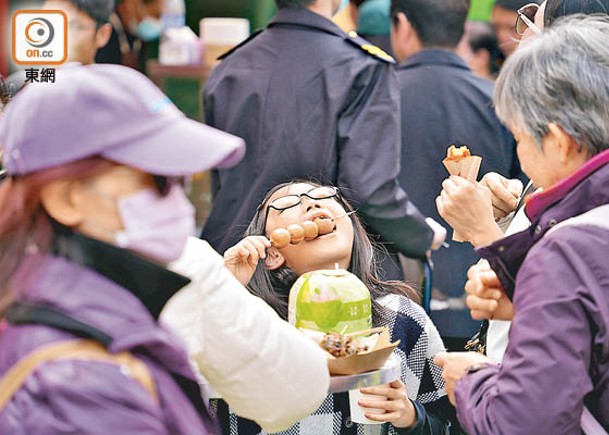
point(296, 233)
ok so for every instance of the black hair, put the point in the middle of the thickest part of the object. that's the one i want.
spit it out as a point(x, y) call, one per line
point(514, 5)
point(273, 286)
point(560, 8)
point(293, 3)
point(438, 23)
point(99, 10)
point(481, 36)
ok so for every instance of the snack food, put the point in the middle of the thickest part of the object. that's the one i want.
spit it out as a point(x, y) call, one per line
point(341, 345)
point(296, 233)
point(280, 238)
point(459, 161)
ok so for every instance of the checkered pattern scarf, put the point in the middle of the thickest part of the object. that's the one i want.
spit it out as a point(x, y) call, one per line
point(419, 342)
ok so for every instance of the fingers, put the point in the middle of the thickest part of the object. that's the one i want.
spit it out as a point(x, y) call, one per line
point(505, 193)
point(250, 250)
point(480, 309)
point(394, 390)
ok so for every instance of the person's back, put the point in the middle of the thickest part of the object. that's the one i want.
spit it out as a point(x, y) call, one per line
point(310, 101)
point(444, 103)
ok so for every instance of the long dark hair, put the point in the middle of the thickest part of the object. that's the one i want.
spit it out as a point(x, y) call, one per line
point(273, 286)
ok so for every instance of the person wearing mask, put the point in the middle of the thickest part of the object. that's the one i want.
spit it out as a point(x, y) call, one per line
point(312, 101)
point(93, 210)
point(136, 26)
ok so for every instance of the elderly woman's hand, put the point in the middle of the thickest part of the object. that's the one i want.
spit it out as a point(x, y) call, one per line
point(454, 367)
point(242, 259)
point(504, 193)
point(399, 410)
point(485, 296)
point(468, 209)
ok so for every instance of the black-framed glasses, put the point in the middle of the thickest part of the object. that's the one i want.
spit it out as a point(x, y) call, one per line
point(526, 19)
point(289, 201)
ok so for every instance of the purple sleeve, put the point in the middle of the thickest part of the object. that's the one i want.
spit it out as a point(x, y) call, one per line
point(83, 397)
point(544, 376)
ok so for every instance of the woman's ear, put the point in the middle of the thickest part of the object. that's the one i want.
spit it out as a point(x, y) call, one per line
point(274, 259)
point(565, 146)
point(57, 198)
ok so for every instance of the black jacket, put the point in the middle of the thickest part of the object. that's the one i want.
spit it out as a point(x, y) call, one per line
point(310, 101)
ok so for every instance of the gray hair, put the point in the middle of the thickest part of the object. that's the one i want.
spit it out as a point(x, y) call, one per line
point(561, 77)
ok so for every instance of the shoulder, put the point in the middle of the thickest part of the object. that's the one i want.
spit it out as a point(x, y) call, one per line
point(242, 44)
point(571, 258)
point(371, 50)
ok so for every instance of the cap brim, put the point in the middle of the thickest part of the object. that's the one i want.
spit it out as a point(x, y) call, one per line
point(184, 147)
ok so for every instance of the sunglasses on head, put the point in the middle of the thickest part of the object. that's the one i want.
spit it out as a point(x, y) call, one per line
point(526, 19)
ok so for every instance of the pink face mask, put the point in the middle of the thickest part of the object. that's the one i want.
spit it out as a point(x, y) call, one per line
point(156, 227)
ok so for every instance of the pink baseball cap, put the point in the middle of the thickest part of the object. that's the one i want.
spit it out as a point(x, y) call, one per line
point(113, 112)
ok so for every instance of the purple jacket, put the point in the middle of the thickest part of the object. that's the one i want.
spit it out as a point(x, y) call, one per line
point(119, 295)
point(558, 354)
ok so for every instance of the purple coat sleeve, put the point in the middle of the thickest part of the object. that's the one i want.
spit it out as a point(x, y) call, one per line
point(82, 397)
point(544, 377)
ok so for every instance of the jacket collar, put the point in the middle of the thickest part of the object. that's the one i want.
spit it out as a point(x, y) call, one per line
point(302, 17)
point(434, 56)
point(150, 283)
point(542, 201)
point(585, 190)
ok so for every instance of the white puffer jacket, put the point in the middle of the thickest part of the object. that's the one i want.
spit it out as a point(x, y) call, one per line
point(264, 368)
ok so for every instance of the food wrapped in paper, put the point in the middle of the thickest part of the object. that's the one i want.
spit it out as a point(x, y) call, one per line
point(459, 161)
point(330, 301)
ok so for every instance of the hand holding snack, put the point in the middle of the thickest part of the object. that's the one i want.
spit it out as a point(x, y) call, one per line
point(466, 207)
point(242, 259)
point(459, 161)
point(399, 410)
point(504, 193)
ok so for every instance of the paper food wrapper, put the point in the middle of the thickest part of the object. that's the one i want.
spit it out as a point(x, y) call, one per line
point(372, 359)
point(467, 168)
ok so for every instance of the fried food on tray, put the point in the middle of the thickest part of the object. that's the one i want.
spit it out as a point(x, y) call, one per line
point(341, 345)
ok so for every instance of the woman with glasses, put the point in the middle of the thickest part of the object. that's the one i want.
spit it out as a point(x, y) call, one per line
point(270, 272)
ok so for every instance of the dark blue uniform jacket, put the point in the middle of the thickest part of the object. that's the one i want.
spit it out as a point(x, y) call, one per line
point(310, 101)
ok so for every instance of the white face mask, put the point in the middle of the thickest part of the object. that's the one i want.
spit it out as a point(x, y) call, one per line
point(156, 227)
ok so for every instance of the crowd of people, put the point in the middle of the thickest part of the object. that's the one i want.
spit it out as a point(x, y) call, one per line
point(115, 317)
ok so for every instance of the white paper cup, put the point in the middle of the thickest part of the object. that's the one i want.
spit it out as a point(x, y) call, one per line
point(357, 412)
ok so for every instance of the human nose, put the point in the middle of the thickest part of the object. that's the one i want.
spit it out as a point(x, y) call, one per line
point(309, 203)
